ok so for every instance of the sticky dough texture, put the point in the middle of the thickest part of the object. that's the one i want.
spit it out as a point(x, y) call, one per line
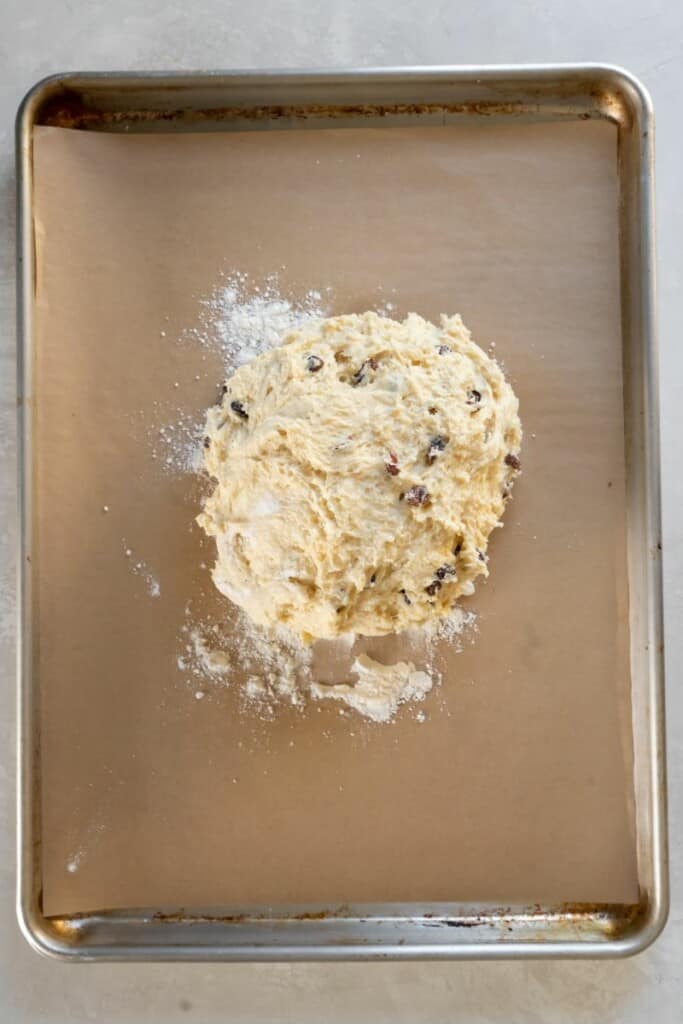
point(359, 495)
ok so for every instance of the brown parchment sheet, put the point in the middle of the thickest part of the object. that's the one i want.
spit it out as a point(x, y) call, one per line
point(517, 787)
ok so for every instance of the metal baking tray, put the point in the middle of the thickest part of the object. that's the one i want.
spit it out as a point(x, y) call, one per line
point(161, 102)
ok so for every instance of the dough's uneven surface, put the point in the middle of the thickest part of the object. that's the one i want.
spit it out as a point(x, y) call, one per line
point(360, 468)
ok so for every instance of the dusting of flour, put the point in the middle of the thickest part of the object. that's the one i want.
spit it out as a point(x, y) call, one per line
point(140, 568)
point(274, 666)
point(177, 445)
point(243, 319)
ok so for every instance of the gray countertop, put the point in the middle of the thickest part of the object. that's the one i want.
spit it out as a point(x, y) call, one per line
point(38, 37)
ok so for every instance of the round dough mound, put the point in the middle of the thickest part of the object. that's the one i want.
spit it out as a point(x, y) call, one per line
point(361, 467)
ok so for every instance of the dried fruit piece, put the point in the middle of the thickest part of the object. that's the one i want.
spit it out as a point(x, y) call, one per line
point(417, 495)
point(207, 442)
point(433, 587)
point(391, 465)
point(480, 555)
point(238, 408)
point(443, 350)
point(512, 460)
point(473, 397)
point(314, 363)
point(444, 571)
point(359, 375)
point(436, 445)
point(458, 548)
point(405, 596)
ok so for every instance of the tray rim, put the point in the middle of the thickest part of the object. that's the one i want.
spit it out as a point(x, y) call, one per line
point(308, 932)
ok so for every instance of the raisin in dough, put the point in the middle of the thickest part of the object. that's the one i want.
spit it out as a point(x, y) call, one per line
point(359, 470)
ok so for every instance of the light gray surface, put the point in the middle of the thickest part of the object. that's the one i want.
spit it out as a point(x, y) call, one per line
point(37, 37)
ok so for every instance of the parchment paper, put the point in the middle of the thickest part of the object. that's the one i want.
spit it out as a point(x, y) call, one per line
point(517, 787)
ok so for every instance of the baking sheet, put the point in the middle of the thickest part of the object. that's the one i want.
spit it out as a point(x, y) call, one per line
point(517, 787)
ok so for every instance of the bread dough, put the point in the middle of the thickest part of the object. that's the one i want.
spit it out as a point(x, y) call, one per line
point(360, 468)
